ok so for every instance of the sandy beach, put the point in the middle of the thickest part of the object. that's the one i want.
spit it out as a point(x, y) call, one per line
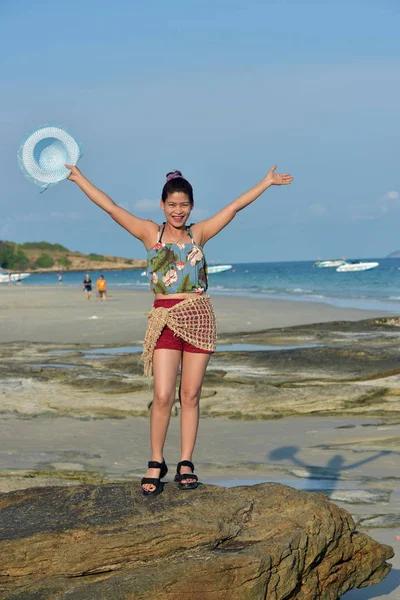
point(320, 412)
point(60, 314)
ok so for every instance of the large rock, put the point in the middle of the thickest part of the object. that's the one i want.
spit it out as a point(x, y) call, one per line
point(109, 542)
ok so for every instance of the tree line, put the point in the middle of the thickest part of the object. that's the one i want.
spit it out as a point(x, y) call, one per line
point(18, 257)
point(13, 257)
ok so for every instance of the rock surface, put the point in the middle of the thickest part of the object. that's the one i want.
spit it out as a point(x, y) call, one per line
point(342, 368)
point(105, 542)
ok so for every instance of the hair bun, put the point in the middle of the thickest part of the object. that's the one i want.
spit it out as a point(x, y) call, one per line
point(173, 175)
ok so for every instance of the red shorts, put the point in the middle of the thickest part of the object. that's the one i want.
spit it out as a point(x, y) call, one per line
point(168, 340)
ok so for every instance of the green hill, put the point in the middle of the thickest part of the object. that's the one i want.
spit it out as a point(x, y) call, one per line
point(43, 256)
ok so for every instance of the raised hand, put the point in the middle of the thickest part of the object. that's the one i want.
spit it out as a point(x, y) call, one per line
point(278, 178)
point(75, 173)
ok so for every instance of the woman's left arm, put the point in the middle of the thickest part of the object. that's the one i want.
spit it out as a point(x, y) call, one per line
point(210, 227)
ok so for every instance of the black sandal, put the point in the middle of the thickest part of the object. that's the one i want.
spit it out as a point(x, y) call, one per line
point(181, 478)
point(153, 464)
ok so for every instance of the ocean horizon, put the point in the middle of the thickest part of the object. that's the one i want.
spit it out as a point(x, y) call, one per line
point(375, 289)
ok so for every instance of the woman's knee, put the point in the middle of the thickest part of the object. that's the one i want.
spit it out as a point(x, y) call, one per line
point(163, 399)
point(190, 398)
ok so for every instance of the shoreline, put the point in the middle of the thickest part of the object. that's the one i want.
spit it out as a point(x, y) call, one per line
point(297, 282)
point(380, 305)
point(60, 314)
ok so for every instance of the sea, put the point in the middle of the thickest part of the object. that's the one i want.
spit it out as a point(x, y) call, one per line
point(375, 289)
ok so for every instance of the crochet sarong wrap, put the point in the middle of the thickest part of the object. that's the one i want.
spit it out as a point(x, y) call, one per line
point(193, 320)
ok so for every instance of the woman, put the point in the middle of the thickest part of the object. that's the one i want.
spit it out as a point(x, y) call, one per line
point(87, 286)
point(181, 329)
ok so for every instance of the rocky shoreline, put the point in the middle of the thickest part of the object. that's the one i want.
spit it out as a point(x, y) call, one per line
point(315, 407)
point(345, 368)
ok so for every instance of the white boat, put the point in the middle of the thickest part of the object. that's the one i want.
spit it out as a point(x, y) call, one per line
point(218, 269)
point(143, 274)
point(323, 264)
point(357, 265)
point(15, 277)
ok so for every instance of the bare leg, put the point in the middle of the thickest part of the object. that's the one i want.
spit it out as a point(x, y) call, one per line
point(165, 368)
point(193, 369)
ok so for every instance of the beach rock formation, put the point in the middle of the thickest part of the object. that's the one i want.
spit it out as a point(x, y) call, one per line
point(97, 542)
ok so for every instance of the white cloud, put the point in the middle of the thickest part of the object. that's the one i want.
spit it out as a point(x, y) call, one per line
point(389, 201)
point(147, 205)
point(384, 205)
point(317, 209)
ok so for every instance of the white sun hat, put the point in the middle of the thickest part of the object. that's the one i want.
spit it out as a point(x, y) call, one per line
point(44, 153)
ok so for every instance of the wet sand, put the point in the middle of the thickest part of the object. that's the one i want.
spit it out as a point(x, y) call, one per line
point(60, 314)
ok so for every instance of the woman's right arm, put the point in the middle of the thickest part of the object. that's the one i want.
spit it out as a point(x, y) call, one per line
point(139, 228)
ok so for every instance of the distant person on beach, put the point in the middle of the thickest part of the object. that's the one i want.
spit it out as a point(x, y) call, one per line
point(102, 287)
point(60, 278)
point(87, 286)
point(181, 325)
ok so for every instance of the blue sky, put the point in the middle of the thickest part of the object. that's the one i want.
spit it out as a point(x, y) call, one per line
point(220, 90)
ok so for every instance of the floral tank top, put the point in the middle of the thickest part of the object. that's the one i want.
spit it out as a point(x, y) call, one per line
point(176, 268)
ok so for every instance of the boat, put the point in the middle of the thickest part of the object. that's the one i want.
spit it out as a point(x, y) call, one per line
point(15, 277)
point(323, 264)
point(356, 265)
point(218, 269)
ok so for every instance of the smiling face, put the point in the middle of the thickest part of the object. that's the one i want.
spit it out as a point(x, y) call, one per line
point(177, 208)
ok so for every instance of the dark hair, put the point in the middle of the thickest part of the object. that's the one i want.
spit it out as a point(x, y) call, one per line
point(177, 183)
